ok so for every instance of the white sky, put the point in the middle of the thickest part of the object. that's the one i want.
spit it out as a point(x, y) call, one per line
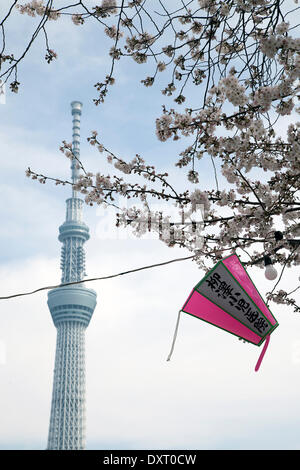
point(208, 396)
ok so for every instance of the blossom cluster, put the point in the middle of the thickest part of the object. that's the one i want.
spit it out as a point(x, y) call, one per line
point(271, 44)
point(235, 92)
point(37, 7)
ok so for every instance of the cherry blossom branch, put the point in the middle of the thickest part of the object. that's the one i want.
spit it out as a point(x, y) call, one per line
point(244, 57)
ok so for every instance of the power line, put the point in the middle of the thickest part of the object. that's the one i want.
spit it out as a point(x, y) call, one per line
point(97, 278)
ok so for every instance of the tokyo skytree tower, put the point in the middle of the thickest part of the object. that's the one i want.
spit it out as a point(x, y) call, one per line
point(71, 309)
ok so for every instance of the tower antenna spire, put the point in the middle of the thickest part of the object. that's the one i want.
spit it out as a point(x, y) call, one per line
point(76, 107)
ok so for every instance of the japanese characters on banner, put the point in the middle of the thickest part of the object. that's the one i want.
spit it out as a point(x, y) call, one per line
point(226, 297)
point(221, 288)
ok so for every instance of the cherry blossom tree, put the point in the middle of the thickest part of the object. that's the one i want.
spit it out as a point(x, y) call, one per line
point(244, 57)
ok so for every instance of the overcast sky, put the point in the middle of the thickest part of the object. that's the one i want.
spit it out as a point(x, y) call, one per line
point(208, 396)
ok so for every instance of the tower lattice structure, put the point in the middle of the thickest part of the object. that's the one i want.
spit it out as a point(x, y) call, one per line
point(71, 308)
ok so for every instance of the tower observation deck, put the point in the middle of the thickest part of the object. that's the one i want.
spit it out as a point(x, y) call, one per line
point(71, 309)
